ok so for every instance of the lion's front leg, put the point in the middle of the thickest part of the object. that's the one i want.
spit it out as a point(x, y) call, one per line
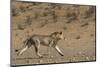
point(58, 50)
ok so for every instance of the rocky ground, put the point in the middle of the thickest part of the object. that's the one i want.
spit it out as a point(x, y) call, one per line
point(77, 22)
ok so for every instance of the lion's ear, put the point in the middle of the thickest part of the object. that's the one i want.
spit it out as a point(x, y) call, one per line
point(60, 32)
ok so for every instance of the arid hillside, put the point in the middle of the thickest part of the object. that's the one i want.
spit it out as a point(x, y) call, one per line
point(77, 22)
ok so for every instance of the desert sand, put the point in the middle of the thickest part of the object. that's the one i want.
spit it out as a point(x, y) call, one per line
point(77, 22)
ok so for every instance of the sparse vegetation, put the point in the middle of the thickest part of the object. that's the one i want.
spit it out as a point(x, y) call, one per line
point(14, 12)
point(90, 12)
point(76, 21)
point(28, 21)
point(78, 37)
point(91, 35)
point(20, 27)
point(84, 24)
point(64, 28)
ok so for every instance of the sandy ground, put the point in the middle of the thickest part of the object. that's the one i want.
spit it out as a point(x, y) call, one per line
point(77, 22)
